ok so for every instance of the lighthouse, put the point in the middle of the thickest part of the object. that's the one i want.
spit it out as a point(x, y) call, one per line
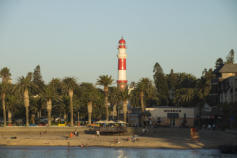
point(122, 55)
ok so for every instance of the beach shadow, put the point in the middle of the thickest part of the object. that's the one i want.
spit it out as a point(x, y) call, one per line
point(181, 137)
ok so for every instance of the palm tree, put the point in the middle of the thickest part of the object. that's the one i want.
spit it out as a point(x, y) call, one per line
point(124, 96)
point(49, 94)
point(183, 96)
point(89, 95)
point(5, 75)
point(3, 90)
point(23, 86)
point(144, 86)
point(114, 99)
point(105, 81)
point(11, 101)
point(70, 84)
point(61, 106)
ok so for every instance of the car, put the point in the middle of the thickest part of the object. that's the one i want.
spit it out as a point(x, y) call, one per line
point(43, 122)
point(62, 124)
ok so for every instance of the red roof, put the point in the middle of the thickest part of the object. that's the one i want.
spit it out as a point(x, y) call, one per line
point(122, 41)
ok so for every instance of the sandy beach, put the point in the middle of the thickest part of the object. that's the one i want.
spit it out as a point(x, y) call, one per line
point(173, 138)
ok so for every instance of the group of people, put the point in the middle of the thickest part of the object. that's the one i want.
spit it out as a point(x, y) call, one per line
point(74, 133)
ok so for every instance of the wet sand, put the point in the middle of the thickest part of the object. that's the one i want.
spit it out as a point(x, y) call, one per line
point(173, 138)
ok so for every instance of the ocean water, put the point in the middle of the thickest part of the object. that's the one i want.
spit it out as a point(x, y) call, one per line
point(99, 152)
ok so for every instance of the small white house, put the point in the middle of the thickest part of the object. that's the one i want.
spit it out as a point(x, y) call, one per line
point(173, 116)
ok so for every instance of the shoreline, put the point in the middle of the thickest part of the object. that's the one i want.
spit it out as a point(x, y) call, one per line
point(159, 138)
point(117, 147)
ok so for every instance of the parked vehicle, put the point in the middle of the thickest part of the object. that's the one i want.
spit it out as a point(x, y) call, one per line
point(62, 123)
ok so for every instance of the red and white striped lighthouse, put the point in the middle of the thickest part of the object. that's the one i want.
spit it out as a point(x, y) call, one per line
point(122, 55)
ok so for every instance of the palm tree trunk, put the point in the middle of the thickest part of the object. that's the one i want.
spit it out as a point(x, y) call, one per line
point(9, 117)
point(27, 104)
point(78, 118)
point(107, 107)
point(125, 109)
point(106, 90)
point(27, 115)
point(65, 116)
point(118, 112)
point(89, 108)
point(142, 101)
point(71, 107)
point(38, 116)
point(33, 118)
point(4, 109)
point(142, 106)
point(114, 110)
point(49, 109)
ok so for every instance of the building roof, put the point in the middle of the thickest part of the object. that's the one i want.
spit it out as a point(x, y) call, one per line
point(122, 41)
point(229, 68)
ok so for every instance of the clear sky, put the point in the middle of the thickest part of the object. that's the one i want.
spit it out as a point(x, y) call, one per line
point(79, 38)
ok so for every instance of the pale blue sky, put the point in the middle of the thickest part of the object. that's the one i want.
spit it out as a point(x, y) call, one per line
point(79, 38)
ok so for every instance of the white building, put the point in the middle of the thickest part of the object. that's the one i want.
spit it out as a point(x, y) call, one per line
point(173, 116)
point(228, 90)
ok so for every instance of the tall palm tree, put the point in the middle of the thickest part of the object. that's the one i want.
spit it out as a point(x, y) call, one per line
point(49, 94)
point(70, 84)
point(89, 95)
point(114, 99)
point(124, 96)
point(144, 86)
point(105, 81)
point(12, 99)
point(3, 90)
point(62, 106)
point(5, 75)
point(24, 84)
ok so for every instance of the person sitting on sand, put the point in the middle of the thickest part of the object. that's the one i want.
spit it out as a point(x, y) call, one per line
point(76, 133)
point(134, 138)
point(98, 133)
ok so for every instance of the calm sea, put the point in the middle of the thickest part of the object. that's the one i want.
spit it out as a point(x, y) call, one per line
point(97, 152)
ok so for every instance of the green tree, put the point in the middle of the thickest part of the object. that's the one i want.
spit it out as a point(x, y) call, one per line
point(24, 84)
point(184, 96)
point(114, 99)
point(37, 78)
point(69, 85)
point(161, 84)
point(3, 90)
point(219, 63)
point(171, 81)
point(204, 84)
point(6, 76)
point(144, 87)
point(49, 94)
point(60, 107)
point(230, 57)
point(124, 97)
point(89, 96)
point(12, 99)
point(37, 102)
point(105, 81)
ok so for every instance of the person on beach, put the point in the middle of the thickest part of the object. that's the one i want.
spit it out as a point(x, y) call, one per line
point(97, 133)
point(76, 133)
